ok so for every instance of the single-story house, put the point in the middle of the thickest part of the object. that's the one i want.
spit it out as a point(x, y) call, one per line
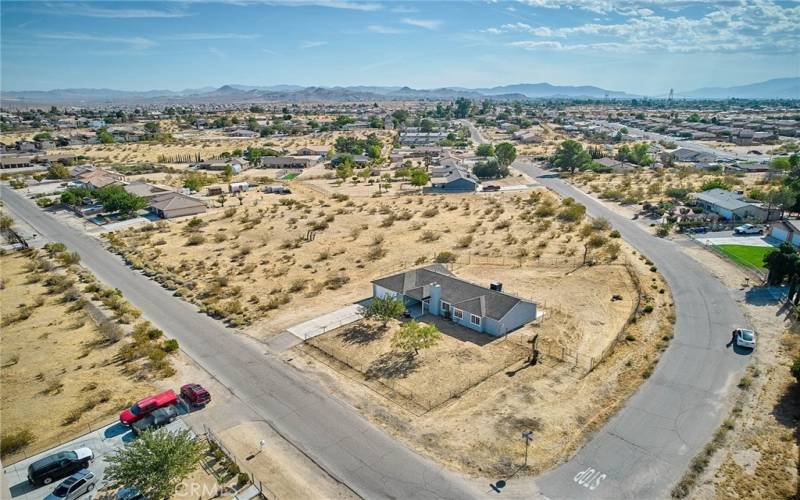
point(684, 155)
point(288, 161)
point(172, 204)
point(452, 176)
point(144, 189)
point(238, 165)
point(787, 230)
point(616, 165)
point(14, 161)
point(313, 150)
point(734, 206)
point(435, 290)
point(528, 137)
point(243, 132)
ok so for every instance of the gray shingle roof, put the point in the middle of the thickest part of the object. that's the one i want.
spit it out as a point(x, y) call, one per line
point(724, 199)
point(469, 297)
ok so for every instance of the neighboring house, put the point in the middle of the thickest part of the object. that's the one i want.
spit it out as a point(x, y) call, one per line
point(359, 160)
point(616, 165)
point(172, 204)
point(236, 164)
point(684, 155)
point(421, 138)
point(433, 289)
point(734, 206)
point(787, 230)
point(243, 132)
point(14, 161)
point(144, 190)
point(288, 161)
point(528, 137)
point(313, 150)
point(453, 176)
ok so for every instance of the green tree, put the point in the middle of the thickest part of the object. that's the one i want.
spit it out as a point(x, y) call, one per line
point(104, 136)
point(342, 120)
point(639, 154)
point(43, 136)
point(374, 152)
point(227, 173)
point(570, 156)
point(384, 309)
point(781, 264)
point(427, 125)
point(693, 118)
point(400, 117)
point(715, 184)
point(783, 198)
point(490, 169)
point(155, 463)
point(780, 164)
point(57, 171)
point(152, 127)
point(419, 177)
point(195, 181)
point(344, 170)
point(463, 107)
point(506, 153)
point(484, 150)
point(116, 199)
point(413, 336)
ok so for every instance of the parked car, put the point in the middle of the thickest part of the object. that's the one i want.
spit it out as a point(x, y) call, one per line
point(74, 486)
point(748, 229)
point(157, 418)
point(491, 187)
point(746, 338)
point(195, 394)
point(62, 464)
point(146, 406)
point(129, 493)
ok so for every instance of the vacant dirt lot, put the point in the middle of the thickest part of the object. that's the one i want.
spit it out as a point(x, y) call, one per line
point(56, 366)
point(276, 261)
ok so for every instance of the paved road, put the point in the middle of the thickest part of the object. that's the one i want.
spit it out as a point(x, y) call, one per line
point(345, 444)
point(474, 133)
point(643, 451)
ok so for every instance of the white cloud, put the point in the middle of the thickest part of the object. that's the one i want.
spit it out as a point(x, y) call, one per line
point(756, 26)
point(139, 43)
point(405, 9)
point(310, 44)
point(220, 54)
point(384, 30)
point(92, 10)
point(428, 24)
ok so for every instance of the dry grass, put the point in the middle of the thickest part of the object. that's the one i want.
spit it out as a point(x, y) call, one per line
point(60, 372)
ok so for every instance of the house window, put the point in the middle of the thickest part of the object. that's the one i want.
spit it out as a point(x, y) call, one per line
point(457, 314)
point(445, 307)
point(475, 320)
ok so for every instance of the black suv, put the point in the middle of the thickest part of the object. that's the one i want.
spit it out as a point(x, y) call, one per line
point(158, 418)
point(47, 469)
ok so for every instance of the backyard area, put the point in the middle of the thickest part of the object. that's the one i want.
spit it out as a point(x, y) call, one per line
point(748, 256)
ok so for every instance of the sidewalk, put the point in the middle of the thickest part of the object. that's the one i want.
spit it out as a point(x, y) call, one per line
point(326, 322)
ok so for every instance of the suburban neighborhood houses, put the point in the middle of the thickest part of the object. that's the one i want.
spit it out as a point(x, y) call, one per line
point(532, 250)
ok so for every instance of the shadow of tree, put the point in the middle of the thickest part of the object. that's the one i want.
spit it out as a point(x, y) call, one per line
point(393, 365)
point(787, 409)
point(361, 334)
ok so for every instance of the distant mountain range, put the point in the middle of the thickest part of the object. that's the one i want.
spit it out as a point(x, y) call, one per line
point(778, 88)
point(782, 88)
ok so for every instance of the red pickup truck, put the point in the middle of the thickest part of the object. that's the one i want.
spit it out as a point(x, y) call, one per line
point(146, 406)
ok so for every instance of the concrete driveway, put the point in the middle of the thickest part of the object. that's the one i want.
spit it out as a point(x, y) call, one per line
point(102, 442)
point(321, 324)
point(728, 238)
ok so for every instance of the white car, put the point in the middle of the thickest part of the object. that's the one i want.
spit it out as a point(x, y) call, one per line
point(748, 229)
point(746, 338)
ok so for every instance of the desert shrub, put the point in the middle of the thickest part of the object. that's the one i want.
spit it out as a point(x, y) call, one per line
point(572, 212)
point(195, 239)
point(744, 383)
point(596, 241)
point(430, 212)
point(15, 441)
point(170, 346)
point(464, 241)
point(376, 252)
point(297, 285)
point(429, 236)
point(55, 247)
point(68, 258)
point(614, 234)
point(111, 332)
point(446, 257)
point(336, 282)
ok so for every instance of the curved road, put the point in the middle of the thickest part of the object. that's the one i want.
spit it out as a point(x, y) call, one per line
point(644, 450)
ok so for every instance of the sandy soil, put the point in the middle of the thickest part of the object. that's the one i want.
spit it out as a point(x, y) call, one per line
point(477, 432)
point(52, 365)
point(280, 467)
point(256, 265)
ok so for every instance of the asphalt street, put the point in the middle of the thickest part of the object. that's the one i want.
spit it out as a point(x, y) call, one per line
point(644, 450)
point(334, 435)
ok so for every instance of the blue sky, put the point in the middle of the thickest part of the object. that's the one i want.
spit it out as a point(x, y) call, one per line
point(644, 46)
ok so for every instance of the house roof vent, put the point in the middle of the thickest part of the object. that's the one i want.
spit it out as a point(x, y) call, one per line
point(496, 286)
